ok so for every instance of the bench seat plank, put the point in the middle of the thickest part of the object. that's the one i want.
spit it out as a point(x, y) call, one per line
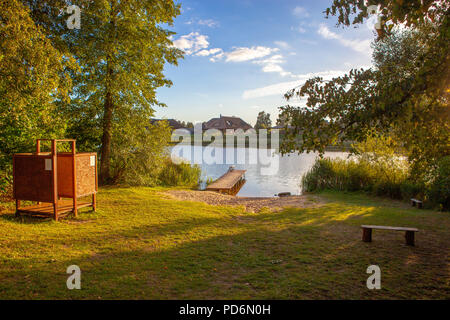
point(390, 228)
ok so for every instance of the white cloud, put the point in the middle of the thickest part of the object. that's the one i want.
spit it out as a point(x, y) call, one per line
point(246, 54)
point(282, 44)
point(217, 57)
point(205, 53)
point(272, 64)
point(208, 22)
point(197, 44)
point(253, 54)
point(362, 46)
point(241, 54)
point(300, 12)
point(282, 87)
point(191, 43)
point(203, 22)
point(299, 29)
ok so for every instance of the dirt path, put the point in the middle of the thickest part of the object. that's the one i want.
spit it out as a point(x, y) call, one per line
point(250, 204)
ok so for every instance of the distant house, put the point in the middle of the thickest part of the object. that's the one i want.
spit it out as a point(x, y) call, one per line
point(223, 123)
point(172, 123)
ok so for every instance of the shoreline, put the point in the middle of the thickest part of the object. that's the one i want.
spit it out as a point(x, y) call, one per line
point(251, 204)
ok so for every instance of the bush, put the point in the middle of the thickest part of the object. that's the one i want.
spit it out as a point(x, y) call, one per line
point(181, 174)
point(6, 185)
point(381, 179)
point(355, 175)
point(439, 189)
point(410, 190)
point(139, 151)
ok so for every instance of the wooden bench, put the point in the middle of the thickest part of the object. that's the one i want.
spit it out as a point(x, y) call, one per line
point(415, 202)
point(409, 233)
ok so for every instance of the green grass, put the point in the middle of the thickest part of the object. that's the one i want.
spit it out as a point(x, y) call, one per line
point(143, 245)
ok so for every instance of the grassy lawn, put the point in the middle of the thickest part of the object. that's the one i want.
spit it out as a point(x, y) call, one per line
point(143, 245)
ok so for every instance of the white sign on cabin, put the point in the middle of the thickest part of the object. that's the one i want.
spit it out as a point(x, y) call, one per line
point(92, 158)
point(48, 164)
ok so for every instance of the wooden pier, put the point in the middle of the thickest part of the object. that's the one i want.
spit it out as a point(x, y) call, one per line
point(230, 183)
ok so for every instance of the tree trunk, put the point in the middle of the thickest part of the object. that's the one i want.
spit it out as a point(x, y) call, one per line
point(106, 141)
point(105, 161)
point(105, 175)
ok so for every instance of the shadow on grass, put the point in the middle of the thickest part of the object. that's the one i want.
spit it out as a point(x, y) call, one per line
point(284, 255)
point(36, 219)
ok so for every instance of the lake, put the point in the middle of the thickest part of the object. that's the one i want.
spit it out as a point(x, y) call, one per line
point(284, 176)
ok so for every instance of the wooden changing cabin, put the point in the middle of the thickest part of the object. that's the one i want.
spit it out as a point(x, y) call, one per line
point(49, 177)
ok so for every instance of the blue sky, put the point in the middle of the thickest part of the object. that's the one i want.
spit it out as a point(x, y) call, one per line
point(241, 56)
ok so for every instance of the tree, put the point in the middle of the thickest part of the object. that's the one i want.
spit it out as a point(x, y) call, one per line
point(406, 93)
point(138, 158)
point(33, 80)
point(122, 49)
point(263, 121)
point(392, 12)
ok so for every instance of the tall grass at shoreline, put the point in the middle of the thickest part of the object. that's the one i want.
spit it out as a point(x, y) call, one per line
point(378, 178)
point(354, 175)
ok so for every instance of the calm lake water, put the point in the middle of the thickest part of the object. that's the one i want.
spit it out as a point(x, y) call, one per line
point(285, 175)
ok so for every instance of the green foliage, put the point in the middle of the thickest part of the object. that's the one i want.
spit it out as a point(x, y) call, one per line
point(406, 95)
point(263, 121)
point(379, 168)
point(139, 150)
point(5, 183)
point(439, 188)
point(34, 79)
point(379, 178)
point(122, 48)
point(140, 157)
point(179, 174)
point(392, 12)
point(376, 168)
point(354, 175)
point(115, 62)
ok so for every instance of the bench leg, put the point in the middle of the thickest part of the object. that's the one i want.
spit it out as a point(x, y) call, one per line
point(367, 235)
point(409, 236)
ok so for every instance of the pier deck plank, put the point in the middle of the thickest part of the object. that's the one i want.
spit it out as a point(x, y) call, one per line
point(228, 181)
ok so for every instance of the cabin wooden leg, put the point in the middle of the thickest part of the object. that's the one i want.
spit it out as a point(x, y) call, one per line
point(75, 209)
point(367, 235)
point(75, 206)
point(55, 211)
point(94, 202)
point(17, 208)
point(409, 236)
